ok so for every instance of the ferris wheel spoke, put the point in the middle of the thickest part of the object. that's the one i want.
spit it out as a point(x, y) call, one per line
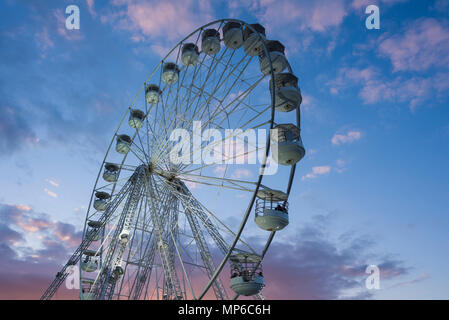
point(211, 69)
point(222, 181)
point(217, 145)
point(205, 215)
point(238, 98)
point(199, 94)
point(142, 146)
point(218, 87)
point(138, 153)
point(175, 100)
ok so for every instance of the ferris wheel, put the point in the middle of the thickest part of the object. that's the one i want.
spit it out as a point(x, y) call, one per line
point(160, 229)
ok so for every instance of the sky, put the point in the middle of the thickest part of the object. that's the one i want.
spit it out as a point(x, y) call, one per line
point(372, 189)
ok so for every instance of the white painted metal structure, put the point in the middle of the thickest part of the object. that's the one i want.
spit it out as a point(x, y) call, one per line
point(150, 231)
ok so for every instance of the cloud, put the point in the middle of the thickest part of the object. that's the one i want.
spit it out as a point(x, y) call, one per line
point(376, 87)
point(27, 269)
point(318, 16)
point(349, 137)
point(91, 7)
point(67, 232)
point(219, 171)
point(310, 265)
point(362, 4)
point(65, 80)
point(317, 171)
point(9, 235)
point(420, 278)
point(307, 265)
point(161, 20)
point(50, 193)
point(421, 45)
point(52, 182)
point(419, 55)
point(15, 132)
point(23, 207)
point(340, 165)
point(44, 41)
point(241, 173)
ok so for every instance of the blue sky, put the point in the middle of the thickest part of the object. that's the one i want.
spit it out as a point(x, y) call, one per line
point(372, 189)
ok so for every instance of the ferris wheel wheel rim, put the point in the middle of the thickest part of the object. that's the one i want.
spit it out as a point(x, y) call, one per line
point(259, 181)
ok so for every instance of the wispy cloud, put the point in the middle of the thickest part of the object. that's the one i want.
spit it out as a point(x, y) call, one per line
point(317, 171)
point(421, 45)
point(343, 138)
point(50, 193)
point(44, 41)
point(15, 132)
point(241, 173)
point(317, 16)
point(376, 87)
point(362, 4)
point(91, 7)
point(159, 20)
point(52, 182)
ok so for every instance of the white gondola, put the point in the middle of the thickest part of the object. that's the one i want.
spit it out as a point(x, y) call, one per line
point(111, 172)
point(233, 35)
point(271, 210)
point(287, 94)
point(123, 144)
point(152, 94)
point(86, 288)
point(93, 233)
point(287, 148)
point(278, 60)
point(136, 118)
point(246, 274)
point(190, 54)
point(101, 200)
point(124, 236)
point(89, 261)
point(117, 273)
point(252, 40)
point(210, 41)
point(162, 245)
point(170, 73)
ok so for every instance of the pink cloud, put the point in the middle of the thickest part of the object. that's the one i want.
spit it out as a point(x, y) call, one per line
point(43, 39)
point(34, 225)
point(23, 207)
point(167, 20)
point(91, 7)
point(362, 4)
point(318, 15)
point(422, 45)
point(376, 88)
point(50, 193)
